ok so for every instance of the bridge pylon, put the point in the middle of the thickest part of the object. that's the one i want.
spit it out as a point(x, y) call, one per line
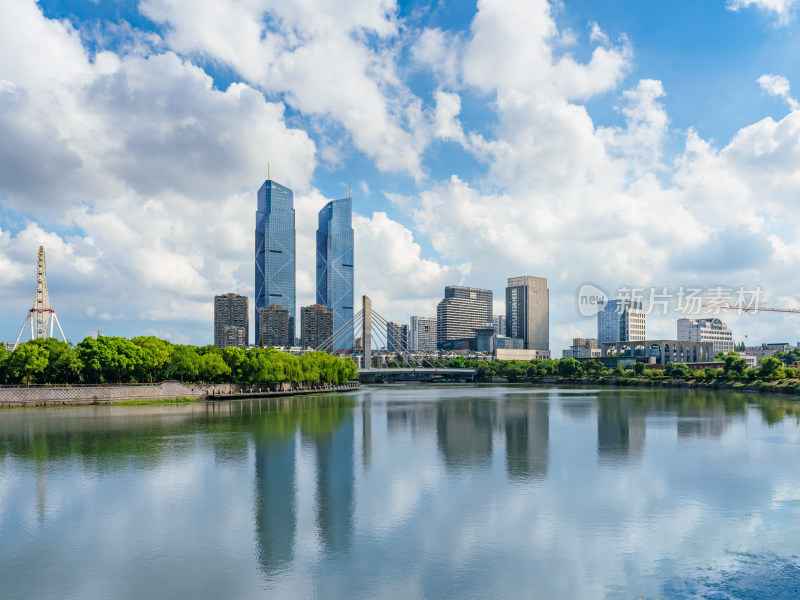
point(366, 330)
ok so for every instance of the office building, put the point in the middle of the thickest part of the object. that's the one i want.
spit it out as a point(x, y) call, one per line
point(499, 322)
point(335, 268)
point(764, 350)
point(658, 352)
point(461, 312)
point(397, 339)
point(583, 348)
point(621, 320)
point(274, 325)
point(231, 310)
point(706, 330)
point(316, 325)
point(423, 334)
point(275, 253)
point(528, 311)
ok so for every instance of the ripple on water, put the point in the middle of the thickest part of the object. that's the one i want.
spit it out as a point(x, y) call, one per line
point(749, 577)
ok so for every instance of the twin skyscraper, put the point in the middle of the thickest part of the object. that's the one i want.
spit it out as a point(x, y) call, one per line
point(276, 266)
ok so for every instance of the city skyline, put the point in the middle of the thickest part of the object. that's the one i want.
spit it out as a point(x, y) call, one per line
point(136, 137)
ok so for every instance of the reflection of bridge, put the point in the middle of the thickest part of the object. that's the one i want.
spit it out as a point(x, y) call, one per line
point(409, 363)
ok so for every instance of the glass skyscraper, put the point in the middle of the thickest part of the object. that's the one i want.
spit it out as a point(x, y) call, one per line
point(275, 252)
point(335, 268)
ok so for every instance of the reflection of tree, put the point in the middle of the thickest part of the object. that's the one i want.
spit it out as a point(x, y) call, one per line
point(464, 432)
point(527, 436)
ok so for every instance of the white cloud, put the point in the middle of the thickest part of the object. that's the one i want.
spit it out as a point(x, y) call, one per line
point(315, 54)
point(777, 85)
point(784, 9)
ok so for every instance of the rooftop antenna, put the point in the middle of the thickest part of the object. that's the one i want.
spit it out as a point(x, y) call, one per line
point(41, 317)
point(268, 177)
point(348, 190)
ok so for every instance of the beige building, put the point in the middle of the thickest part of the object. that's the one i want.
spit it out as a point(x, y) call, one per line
point(231, 311)
point(706, 330)
point(316, 325)
point(514, 354)
point(274, 326)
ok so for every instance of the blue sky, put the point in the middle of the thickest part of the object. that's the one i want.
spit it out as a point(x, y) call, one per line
point(620, 143)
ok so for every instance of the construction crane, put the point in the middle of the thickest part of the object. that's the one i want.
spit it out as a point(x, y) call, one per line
point(752, 308)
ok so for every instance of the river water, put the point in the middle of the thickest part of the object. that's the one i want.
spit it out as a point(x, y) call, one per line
point(406, 492)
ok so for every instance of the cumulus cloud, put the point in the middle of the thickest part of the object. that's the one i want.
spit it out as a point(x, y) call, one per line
point(777, 85)
point(138, 173)
point(784, 9)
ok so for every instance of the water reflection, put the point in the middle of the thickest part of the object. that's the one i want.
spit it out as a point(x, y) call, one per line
point(621, 429)
point(527, 428)
point(464, 433)
point(335, 487)
point(276, 519)
point(273, 495)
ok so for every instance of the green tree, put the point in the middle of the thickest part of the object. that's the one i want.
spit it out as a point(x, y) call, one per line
point(213, 368)
point(185, 364)
point(156, 355)
point(639, 368)
point(734, 365)
point(569, 368)
point(676, 370)
point(771, 368)
point(27, 363)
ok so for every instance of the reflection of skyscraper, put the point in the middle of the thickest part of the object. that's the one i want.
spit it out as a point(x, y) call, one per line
point(527, 437)
point(335, 267)
point(275, 502)
point(620, 434)
point(335, 487)
point(703, 422)
point(464, 433)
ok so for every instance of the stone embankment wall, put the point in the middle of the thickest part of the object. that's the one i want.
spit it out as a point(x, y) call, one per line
point(166, 390)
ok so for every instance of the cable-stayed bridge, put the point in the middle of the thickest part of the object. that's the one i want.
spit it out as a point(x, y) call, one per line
point(397, 360)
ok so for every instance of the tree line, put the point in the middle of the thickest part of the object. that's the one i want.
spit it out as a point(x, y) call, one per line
point(771, 368)
point(148, 359)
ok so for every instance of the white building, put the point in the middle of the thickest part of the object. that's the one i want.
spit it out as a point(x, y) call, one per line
point(423, 334)
point(706, 330)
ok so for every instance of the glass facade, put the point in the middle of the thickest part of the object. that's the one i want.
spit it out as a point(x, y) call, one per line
point(275, 252)
point(621, 320)
point(335, 268)
point(528, 311)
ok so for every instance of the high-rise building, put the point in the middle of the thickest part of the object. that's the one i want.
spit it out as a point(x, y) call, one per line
point(499, 322)
point(423, 334)
point(621, 320)
point(316, 325)
point(706, 330)
point(461, 312)
point(335, 268)
point(235, 337)
point(528, 311)
point(274, 326)
point(275, 252)
point(231, 311)
point(397, 339)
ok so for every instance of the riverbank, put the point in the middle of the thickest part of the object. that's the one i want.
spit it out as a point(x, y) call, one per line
point(784, 387)
point(165, 391)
